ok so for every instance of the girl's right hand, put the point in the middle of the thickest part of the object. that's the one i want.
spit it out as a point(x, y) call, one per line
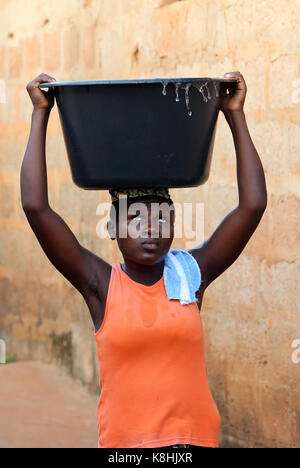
point(41, 99)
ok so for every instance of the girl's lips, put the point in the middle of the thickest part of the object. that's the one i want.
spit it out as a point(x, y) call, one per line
point(150, 245)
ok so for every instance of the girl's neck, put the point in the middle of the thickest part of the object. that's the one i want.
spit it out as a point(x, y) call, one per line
point(144, 274)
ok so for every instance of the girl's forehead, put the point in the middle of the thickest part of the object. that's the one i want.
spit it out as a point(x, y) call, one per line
point(150, 205)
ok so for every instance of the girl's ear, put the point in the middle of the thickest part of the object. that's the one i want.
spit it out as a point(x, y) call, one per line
point(111, 227)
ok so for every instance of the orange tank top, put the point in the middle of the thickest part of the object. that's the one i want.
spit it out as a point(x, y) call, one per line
point(153, 378)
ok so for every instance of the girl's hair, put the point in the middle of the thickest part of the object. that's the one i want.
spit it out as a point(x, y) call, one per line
point(155, 199)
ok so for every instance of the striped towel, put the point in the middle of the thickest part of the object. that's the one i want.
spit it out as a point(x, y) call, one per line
point(182, 276)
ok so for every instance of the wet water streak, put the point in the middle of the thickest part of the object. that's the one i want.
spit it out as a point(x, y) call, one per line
point(203, 89)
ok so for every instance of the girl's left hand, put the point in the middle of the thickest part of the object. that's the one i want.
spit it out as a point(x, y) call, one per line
point(234, 101)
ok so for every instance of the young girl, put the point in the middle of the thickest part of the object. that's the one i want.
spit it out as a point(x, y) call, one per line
point(154, 389)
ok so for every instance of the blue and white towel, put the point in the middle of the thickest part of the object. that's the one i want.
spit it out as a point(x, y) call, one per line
point(182, 276)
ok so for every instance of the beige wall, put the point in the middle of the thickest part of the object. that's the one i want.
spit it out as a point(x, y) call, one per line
point(251, 313)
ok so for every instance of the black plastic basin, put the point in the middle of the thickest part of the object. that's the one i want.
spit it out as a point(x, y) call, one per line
point(139, 133)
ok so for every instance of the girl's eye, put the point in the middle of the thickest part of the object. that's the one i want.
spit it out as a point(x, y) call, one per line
point(135, 218)
point(139, 218)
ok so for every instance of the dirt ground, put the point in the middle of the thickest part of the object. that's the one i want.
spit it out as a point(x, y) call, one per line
point(41, 407)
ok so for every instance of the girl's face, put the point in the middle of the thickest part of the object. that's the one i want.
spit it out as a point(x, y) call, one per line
point(145, 230)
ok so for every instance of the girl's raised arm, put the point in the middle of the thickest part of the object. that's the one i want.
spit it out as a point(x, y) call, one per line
point(227, 242)
point(60, 245)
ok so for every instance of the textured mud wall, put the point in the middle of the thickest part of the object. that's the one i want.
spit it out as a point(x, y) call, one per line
point(251, 313)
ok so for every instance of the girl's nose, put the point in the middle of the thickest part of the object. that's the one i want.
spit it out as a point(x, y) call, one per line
point(150, 228)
